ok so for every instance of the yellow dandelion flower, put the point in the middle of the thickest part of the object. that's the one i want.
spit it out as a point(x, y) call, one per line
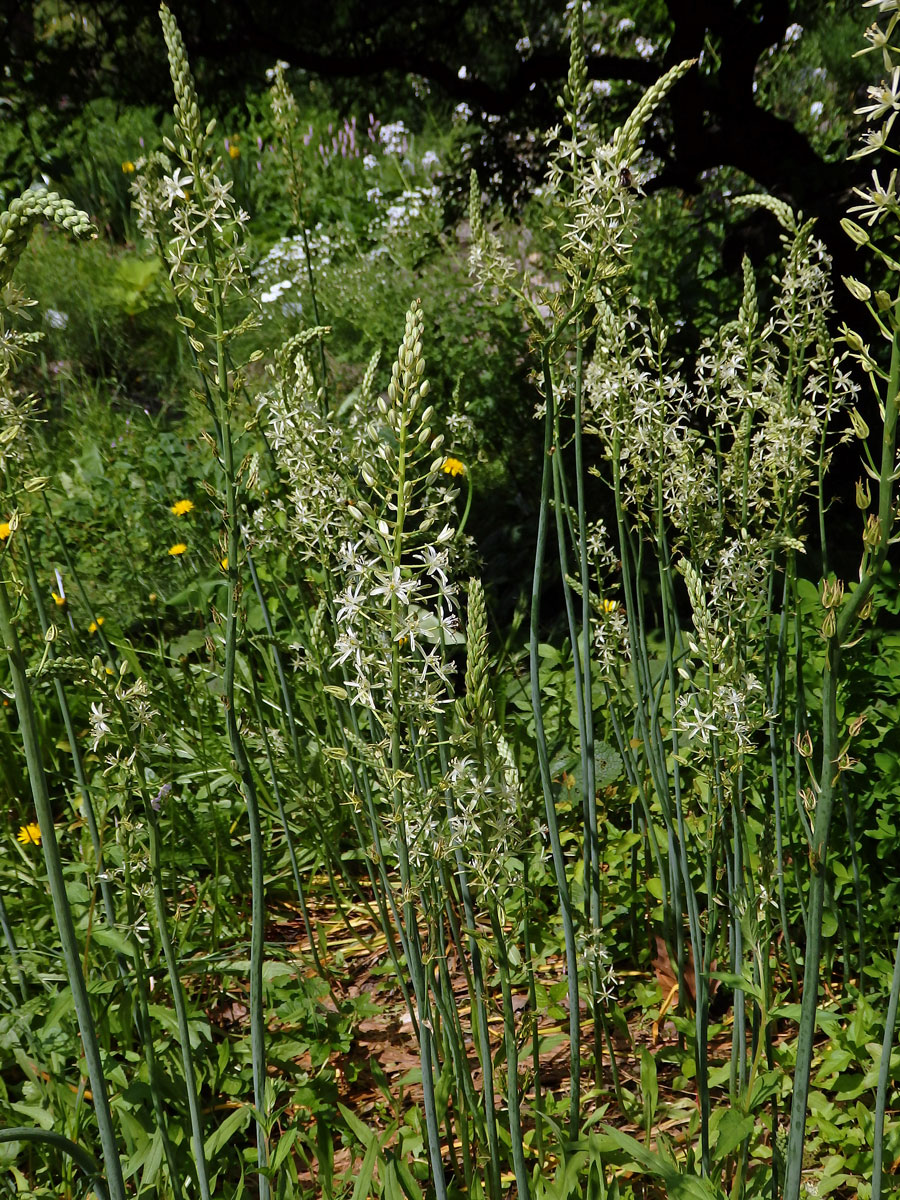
point(30, 834)
point(180, 507)
point(5, 530)
point(128, 167)
point(233, 152)
point(58, 600)
point(178, 548)
point(95, 625)
point(223, 563)
point(452, 466)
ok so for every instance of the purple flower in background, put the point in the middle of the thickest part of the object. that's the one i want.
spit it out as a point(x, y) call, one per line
point(160, 796)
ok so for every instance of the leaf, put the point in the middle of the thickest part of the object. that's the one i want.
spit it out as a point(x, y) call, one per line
point(153, 1162)
point(233, 1123)
point(678, 1185)
point(363, 1134)
point(113, 939)
point(325, 1158)
point(283, 1149)
point(739, 983)
point(364, 1178)
point(733, 1128)
point(187, 643)
point(649, 1086)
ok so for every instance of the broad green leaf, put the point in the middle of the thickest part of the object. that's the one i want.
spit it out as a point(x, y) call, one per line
point(732, 1129)
point(233, 1123)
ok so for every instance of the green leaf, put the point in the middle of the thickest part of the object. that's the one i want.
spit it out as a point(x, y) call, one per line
point(678, 1185)
point(235, 1122)
point(363, 1134)
point(739, 983)
point(113, 939)
point(649, 1086)
point(733, 1128)
point(364, 1179)
point(283, 1149)
point(325, 1158)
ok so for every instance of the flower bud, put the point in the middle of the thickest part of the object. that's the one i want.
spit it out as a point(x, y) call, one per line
point(860, 428)
point(855, 232)
point(859, 291)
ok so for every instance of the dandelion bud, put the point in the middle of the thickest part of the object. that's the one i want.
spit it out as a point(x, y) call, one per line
point(859, 291)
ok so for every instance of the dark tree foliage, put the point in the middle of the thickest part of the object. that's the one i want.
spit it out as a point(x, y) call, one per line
point(503, 60)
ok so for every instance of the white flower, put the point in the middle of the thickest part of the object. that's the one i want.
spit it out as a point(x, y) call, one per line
point(370, 162)
point(878, 200)
point(886, 97)
point(175, 185)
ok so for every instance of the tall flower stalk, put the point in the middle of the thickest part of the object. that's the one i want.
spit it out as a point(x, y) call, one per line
point(191, 213)
point(16, 223)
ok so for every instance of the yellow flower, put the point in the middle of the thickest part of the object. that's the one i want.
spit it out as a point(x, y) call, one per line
point(609, 606)
point(180, 507)
point(95, 625)
point(30, 834)
point(5, 530)
point(234, 152)
point(58, 600)
point(128, 168)
point(452, 466)
point(178, 548)
point(223, 563)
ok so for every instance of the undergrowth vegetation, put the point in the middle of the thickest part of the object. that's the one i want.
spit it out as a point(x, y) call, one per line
point(348, 853)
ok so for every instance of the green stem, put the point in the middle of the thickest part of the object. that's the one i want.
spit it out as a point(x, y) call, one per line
point(71, 954)
point(77, 1153)
point(559, 863)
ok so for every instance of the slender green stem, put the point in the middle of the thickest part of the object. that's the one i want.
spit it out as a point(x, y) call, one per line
point(884, 1076)
point(62, 912)
point(559, 865)
point(845, 621)
point(77, 1153)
